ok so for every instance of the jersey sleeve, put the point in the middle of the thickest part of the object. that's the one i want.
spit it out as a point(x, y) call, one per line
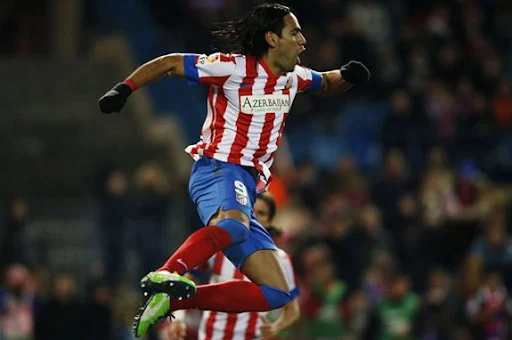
point(290, 274)
point(307, 79)
point(213, 69)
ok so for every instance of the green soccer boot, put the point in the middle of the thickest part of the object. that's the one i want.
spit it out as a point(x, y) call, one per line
point(176, 286)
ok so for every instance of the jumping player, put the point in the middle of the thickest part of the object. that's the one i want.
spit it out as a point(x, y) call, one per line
point(252, 86)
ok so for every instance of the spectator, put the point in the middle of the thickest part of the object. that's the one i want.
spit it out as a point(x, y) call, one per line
point(391, 184)
point(114, 209)
point(149, 215)
point(21, 242)
point(396, 316)
point(17, 305)
point(323, 303)
point(98, 313)
point(491, 252)
point(62, 317)
point(490, 309)
point(438, 315)
point(366, 238)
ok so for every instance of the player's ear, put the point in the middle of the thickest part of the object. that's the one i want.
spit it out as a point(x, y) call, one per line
point(271, 38)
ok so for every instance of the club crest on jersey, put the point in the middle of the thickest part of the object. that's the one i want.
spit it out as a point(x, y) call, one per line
point(202, 60)
point(214, 58)
point(264, 103)
point(289, 83)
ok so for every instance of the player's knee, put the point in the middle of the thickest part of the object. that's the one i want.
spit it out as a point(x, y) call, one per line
point(236, 229)
point(275, 297)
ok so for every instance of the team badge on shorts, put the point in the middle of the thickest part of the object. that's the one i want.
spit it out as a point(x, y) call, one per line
point(243, 200)
point(241, 196)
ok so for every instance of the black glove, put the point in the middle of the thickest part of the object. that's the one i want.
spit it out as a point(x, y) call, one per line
point(355, 72)
point(114, 100)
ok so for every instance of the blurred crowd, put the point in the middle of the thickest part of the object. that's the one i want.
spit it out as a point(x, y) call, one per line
point(38, 301)
point(428, 256)
point(419, 248)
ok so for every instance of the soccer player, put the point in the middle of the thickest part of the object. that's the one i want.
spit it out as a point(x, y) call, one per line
point(252, 86)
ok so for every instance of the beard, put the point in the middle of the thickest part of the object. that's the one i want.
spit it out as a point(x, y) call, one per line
point(287, 62)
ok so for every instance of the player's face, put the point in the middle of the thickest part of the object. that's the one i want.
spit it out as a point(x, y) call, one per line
point(262, 212)
point(291, 44)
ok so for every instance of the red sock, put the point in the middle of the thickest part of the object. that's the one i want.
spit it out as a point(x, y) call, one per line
point(197, 249)
point(220, 297)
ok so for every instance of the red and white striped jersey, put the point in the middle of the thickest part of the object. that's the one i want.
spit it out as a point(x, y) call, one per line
point(247, 107)
point(237, 326)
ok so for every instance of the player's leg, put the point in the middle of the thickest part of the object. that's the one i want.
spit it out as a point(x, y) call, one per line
point(226, 227)
point(258, 259)
point(236, 296)
point(264, 268)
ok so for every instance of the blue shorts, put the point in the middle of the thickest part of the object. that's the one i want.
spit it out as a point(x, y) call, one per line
point(216, 185)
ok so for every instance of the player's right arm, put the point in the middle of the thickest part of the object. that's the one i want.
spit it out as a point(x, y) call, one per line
point(170, 64)
point(213, 70)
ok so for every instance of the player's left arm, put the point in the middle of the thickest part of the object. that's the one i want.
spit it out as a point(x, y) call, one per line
point(339, 81)
point(332, 82)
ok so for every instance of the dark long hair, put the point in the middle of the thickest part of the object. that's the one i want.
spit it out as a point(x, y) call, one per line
point(272, 209)
point(247, 35)
point(267, 197)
